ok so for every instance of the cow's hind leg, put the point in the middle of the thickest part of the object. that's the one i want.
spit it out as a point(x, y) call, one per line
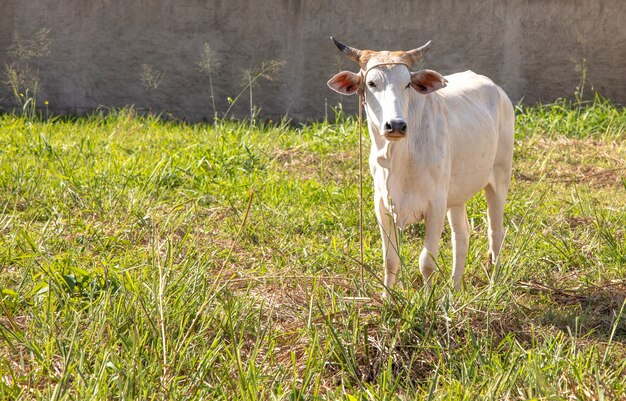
point(457, 217)
point(391, 258)
point(498, 186)
point(496, 198)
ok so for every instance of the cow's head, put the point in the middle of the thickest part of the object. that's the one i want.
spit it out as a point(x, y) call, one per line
point(387, 85)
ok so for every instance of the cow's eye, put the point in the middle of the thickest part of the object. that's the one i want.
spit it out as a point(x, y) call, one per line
point(408, 85)
point(371, 84)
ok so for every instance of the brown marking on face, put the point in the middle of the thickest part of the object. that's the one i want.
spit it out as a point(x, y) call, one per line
point(370, 57)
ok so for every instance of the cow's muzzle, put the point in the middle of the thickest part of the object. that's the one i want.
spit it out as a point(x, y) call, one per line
point(395, 129)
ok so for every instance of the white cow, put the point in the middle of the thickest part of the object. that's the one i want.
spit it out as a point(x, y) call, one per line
point(436, 141)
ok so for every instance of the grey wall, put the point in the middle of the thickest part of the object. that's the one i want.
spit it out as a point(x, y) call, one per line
point(533, 48)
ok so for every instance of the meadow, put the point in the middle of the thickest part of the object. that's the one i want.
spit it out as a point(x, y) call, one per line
point(145, 258)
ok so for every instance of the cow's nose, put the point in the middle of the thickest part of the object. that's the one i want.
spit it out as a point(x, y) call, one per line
point(395, 127)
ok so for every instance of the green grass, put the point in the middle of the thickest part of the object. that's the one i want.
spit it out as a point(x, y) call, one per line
point(143, 259)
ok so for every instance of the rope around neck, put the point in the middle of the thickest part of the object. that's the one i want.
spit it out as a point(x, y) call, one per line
point(361, 100)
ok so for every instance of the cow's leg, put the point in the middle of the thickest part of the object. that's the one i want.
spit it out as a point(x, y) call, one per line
point(389, 234)
point(457, 217)
point(496, 198)
point(434, 226)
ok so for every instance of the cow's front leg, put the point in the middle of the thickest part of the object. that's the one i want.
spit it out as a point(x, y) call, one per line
point(433, 221)
point(389, 234)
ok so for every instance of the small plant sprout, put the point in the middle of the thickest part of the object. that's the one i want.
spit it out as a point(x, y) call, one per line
point(209, 64)
point(581, 68)
point(151, 78)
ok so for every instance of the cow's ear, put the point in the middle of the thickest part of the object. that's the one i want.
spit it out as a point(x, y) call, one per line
point(427, 81)
point(346, 83)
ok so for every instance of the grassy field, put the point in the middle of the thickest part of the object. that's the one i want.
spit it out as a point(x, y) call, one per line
point(143, 259)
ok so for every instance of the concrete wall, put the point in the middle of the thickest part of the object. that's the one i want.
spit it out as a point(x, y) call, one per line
point(533, 48)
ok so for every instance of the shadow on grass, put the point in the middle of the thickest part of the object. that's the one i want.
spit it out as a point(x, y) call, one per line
point(588, 310)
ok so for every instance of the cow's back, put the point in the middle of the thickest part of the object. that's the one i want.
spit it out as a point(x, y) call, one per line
point(479, 127)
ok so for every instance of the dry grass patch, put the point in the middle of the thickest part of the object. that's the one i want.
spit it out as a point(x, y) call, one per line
point(571, 161)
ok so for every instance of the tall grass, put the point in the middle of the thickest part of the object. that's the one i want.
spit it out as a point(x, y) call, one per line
point(147, 259)
point(596, 118)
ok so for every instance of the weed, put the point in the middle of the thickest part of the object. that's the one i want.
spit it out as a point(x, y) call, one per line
point(267, 70)
point(151, 79)
point(23, 71)
point(250, 78)
point(209, 64)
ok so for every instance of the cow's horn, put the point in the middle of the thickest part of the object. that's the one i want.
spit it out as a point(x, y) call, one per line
point(417, 54)
point(354, 54)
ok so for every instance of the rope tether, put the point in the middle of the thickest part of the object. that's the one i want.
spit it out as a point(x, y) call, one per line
point(362, 101)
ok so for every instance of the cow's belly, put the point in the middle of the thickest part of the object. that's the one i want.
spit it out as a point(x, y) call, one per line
point(464, 186)
point(410, 207)
point(472, 161)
